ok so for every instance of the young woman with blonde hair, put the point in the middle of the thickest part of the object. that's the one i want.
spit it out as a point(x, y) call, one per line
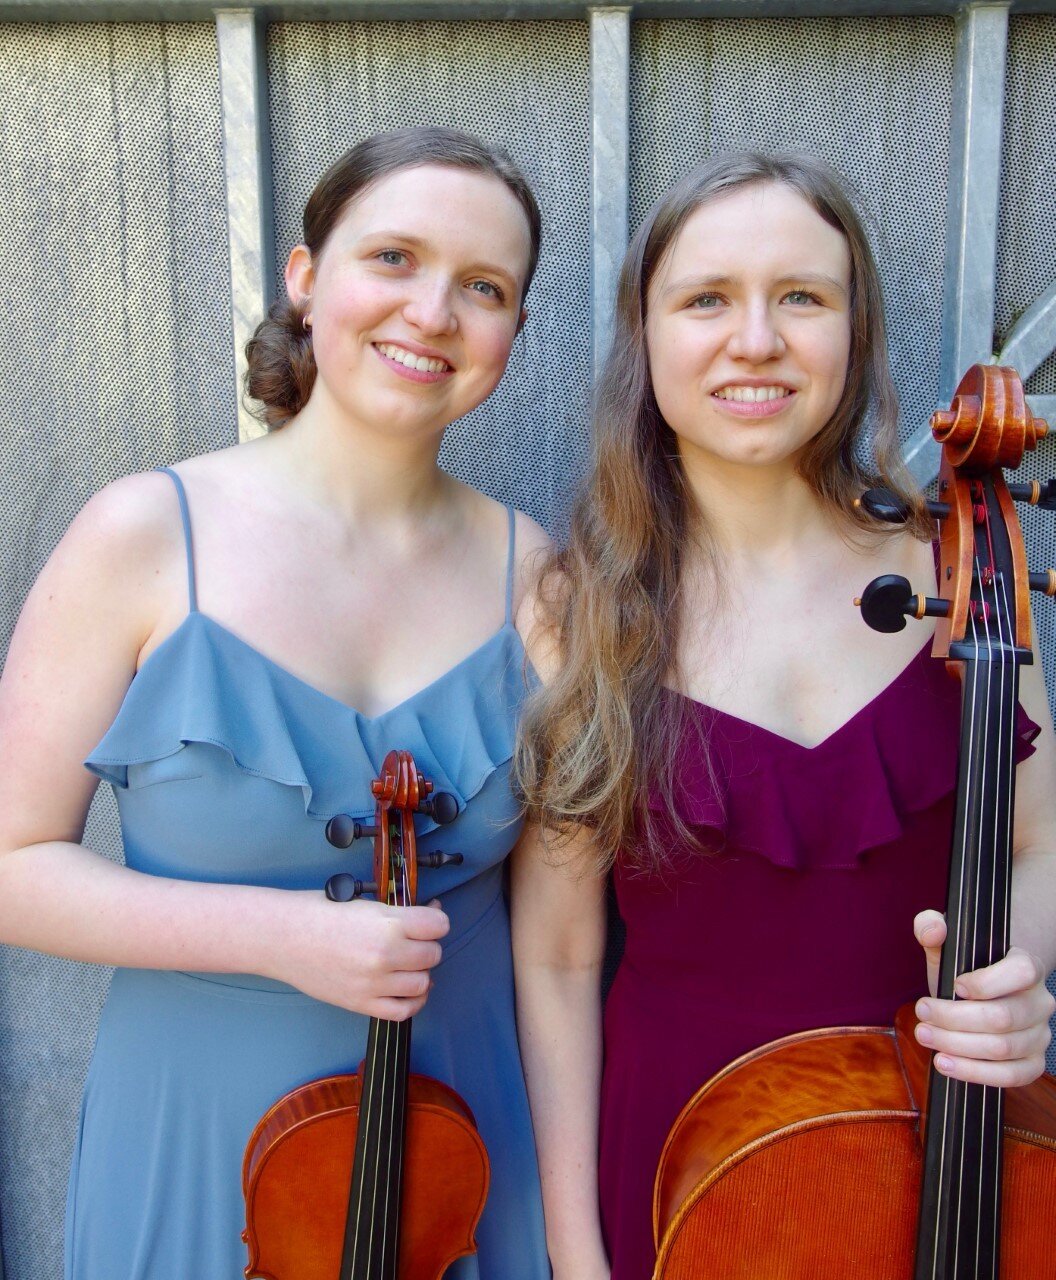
point(770, 782)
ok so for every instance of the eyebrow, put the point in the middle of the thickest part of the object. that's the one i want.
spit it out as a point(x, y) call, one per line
point(416, 242)
point(688, 283)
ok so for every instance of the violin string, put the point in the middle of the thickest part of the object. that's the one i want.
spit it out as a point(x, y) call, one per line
point(397, 898)
point(393, 1156)
point(373, 1102)
point(407, 901)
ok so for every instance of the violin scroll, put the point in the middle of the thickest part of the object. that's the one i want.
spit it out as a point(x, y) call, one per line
point(399, 792)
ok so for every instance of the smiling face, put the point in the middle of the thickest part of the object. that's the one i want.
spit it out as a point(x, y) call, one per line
point(748, 327)
point(415, 298)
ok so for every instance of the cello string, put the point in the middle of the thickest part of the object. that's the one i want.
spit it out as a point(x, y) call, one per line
point(953, 1134)
point(985, 1099)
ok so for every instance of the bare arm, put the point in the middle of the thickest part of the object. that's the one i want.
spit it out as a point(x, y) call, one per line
point(559, 943)
point(106, 593)
point(998, 1030)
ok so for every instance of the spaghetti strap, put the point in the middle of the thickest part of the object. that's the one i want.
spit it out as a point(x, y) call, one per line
point(188, 541)
point(511, 517)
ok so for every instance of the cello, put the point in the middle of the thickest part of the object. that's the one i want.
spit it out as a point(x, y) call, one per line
point(380, 1175)
point(838, 1152)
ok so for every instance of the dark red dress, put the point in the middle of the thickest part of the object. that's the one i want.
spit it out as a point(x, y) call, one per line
point(802, 918)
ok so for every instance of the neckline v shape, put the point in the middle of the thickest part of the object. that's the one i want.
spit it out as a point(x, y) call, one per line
point(211, 623)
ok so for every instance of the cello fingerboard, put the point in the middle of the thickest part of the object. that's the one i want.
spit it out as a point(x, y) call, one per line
point(960, 1213)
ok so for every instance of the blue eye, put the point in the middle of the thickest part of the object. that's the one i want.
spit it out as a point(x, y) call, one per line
point(707, 302)
point(486, 289)
point(392, 257)
point(800, 297)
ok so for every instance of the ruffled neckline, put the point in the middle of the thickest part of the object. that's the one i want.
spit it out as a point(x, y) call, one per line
point(205, 684)
point(824, 806)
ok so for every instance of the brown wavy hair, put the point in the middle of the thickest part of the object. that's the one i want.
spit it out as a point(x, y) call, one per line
point(281, 370)
point(597, 739)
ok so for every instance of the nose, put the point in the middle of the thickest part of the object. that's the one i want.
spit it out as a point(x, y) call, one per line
point(756, 336)
point(429, 308)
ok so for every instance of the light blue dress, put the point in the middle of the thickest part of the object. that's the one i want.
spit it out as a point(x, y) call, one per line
point(226, 768)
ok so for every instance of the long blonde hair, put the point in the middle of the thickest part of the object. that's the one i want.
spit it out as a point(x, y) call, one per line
point(601, 734)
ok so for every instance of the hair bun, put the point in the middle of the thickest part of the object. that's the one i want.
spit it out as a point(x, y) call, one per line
point(281, 370)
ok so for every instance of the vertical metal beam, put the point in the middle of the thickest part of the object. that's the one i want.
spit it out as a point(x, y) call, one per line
point(610, 58)
point(972, 207)
point(243, 87)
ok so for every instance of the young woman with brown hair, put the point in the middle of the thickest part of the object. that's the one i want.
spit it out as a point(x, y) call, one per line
point(770, 782)
point(236, 645)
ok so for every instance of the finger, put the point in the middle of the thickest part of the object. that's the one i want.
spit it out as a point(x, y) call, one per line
point(1017, 971)
point(1015, 1046)
point(407, 986)
point(423, 922)
point(394, 1010)
point(416, 956)
point(1005, 1075)
point(929, 927)
point(1000, 1016)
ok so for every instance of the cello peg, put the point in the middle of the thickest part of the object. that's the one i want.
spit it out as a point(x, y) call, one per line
point(342, 829)
point(439, 859)
point(883, 504)
point(344, 888)
point(1035, 493)
point(888, 600)
point(1044, 581)
point(442, 807)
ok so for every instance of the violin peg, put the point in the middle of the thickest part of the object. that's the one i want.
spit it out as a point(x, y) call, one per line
point(442, 807)
point(345, 888)
point(1044, 581)
point(439, 859)
point(342, 829)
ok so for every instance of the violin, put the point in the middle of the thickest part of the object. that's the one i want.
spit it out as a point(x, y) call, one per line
point(839, 1152)
point(379, 1175)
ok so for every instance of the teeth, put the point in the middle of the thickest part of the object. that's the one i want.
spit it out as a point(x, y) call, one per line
point(752, 395)
point(422, 363)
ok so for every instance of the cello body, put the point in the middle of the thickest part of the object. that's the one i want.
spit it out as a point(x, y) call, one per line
point(841, 1153)
point(803, 1160)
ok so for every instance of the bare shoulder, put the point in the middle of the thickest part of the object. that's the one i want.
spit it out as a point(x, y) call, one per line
point(538, 618)
point(533, 546)
point(122, 549)
point(898, 551)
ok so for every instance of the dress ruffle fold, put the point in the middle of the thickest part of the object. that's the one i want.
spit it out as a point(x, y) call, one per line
point(198, 687)
point(824, 807)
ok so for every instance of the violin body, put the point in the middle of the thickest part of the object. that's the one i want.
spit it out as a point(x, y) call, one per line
point(379, 1175)
point(803, 1160)
point(298, 1168)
